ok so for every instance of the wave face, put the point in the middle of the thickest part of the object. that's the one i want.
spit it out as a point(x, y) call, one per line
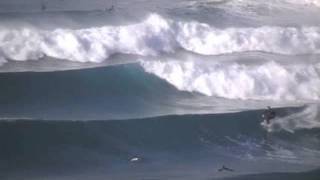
point(154, 36)
point(201, 141)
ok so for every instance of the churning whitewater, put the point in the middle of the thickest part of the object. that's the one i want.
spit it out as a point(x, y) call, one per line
point(239, 81)
point(154, 36)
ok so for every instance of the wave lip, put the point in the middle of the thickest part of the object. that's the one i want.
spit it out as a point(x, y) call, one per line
point(151, 37)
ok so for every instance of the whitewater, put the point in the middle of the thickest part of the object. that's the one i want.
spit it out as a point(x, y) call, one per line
point(152, 37)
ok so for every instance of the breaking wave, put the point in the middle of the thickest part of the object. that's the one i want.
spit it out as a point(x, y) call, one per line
point(151, 37)
point(267, 81)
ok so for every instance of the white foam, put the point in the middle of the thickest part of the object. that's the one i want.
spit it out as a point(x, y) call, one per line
point(266, 81)
point(134, 159)
point(207, 40)
point(2, 59)
point(151, 37)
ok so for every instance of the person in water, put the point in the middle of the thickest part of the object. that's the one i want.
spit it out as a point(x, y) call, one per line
point(43, 7)
point(268, 115)
point(224, 168)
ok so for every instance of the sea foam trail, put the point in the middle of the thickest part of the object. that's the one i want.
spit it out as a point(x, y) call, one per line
point(151, 37)
point(266, 81)
point(308, 118)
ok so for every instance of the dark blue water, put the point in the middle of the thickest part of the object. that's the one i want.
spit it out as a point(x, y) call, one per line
point(166, 147)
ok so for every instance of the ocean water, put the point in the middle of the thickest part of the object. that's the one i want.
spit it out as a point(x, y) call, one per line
point(150, 89)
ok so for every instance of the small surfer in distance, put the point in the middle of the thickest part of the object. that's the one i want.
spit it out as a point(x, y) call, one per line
point(110, 9)
point(268, 115)
point(224, 168)
point(43, 6)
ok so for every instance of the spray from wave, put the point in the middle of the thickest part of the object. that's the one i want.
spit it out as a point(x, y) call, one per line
point(307, 118)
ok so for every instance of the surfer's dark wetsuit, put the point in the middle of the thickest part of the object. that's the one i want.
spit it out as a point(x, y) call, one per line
point(269, 114)
point(223, 168)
